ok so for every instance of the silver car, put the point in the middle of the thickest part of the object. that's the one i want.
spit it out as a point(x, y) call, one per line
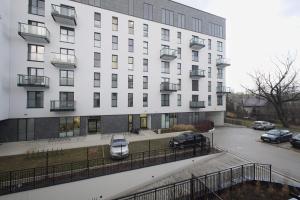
point(263, 125)
point(119, 147)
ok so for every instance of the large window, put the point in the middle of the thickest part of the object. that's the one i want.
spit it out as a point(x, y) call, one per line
point(165, 100)
point(96, 79)
point(130, 45)
point(25, 129)
point(94, 124)
point(67, 34)
point(36, 53)
point(114, 99)
point(114, 23)
point(209, 44)
point(145, 100)
point(66, 78)
point(145, 65)
point(178, 37)
point(115, 61)
point(220, 100)
point(33, 71)
point(145, 30)
point(165, 67)
point(130, 27)
point(209, 72)
point(96, 99)
point(97, 19)
point(196, 24)
point(115, 42)
point(179, 53)
point(181, 20)
point(148, 11)
point(114, 80)
point(97, 40)
point(179, 84)
point(215, 30)
point(167, 17)
point(209, 58)
point(36, 7)
point(178, 68)
point(130, 99)
point(145, 48)
point(219, 46)
point(69, 126)
point(220, 74)
point(195, 85)
point(165, 34)
point(209, 100)
point(130, 63)
point(195, 56)
point(97, 59)
point(178, 99)
point(35, 99)
point(209, 86)
point(145, 82)
point(130, 81)
point(168, 120)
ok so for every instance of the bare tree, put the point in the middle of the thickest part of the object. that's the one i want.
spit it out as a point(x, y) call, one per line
point(279, 87)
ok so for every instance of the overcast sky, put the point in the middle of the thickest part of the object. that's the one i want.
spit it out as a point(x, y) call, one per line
point(258, 31)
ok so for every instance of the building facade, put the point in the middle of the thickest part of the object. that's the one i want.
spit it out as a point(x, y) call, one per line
point(78, 67)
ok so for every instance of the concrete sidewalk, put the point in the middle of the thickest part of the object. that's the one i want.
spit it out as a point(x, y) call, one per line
point(23, 147)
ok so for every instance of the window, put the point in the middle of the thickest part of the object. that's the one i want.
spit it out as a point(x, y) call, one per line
point(145, 30)
point(130, 45)
point(178, 99)
point(168, 120)
point(130, 63)
point(179, 53)
point(36, 53)
point(114, 61)
point(145, 48)
point(165, 34)
point(97, 59)
point(97, 19)
point(179, 85)
point(220, 74)
point(114, 23)
point(195, 85)
point(209, 100)
point(219, 56)
point(33, 71)
point(181, 20)
point(67, 34)
point(25, 129)
point(96, 99)
point(130, 81)
point(39, 24)
point(66, 78)
point(145, 82)
point(114, 99)
point(115, 42)
point(35, 99)
point(209, 44)
point(215, 30)
point(145, 65)
point(195, 98)
point(69, 126)
point(36, 7)
point(209, 86)
point(130, 99)
point(130, 27)
point(209, 72)
point(94, 124)
point(165, 101)
point(66, 99)
point(196, 25)
point(114, 80)
point(178, 68)
point(96, 79)
point(209, 58)
point(145, 100)
point(220, 100)
point(178, 37)
point(148, 11)
point(219, 46)
point(97, 40)
point(165, 67)
point(167, 17)
point(195, 56)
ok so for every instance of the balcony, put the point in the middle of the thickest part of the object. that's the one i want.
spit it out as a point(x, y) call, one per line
point(197, 104)
point(197, 73)
point(223, 62)
point(168, 87)
point(33, 81)
point(64, 15)
point(57, 106)
point(223, 90)
point(64, 60)
point(32, 33)
point(168, 54)
point(197, 43)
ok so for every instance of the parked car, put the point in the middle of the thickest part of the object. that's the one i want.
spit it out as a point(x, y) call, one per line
point(277, 136)
point(295, 141)
point(119, 147)
point(263, 125)
point(187, 140)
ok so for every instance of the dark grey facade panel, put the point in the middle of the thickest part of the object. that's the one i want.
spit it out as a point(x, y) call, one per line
point(183, 118)
point(155, 121)
point(114, 123)
point(46, 127)
point(9, 130)
point(83, 126)
point(136, 8)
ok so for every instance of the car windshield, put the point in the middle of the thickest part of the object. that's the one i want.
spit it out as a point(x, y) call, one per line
point(118, 143)
point(274, 132)
point(297, 137)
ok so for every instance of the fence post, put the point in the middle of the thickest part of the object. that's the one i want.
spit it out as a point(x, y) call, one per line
point(130, 161)
point(155, 194)
point(165, 155)
point(143, 158)
point(175, 154)
point(254, 176)
point(192, 187)
point(242, 173)
point(34, 184)
point(230, 177)
point(71, 171)
point(270, 173)
point(53, 174)
point(219, 179)
point(174, 191)
point(205, 184)
point(10, 184)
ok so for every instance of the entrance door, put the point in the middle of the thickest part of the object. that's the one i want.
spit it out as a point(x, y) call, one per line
point(94, 125)
point(143, 121)
point(25, 129)
point(130, 123)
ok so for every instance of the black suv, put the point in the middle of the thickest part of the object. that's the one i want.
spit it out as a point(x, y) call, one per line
point(187, 140)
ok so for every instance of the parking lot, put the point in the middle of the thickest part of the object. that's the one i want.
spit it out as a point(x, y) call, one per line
point(245, 142)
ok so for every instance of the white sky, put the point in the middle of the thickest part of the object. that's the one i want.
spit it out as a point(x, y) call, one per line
point(258, 31)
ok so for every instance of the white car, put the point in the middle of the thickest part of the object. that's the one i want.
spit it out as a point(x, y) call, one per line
point(263, 125)
point(119, 147)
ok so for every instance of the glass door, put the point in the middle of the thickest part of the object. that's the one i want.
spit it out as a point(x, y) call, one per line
point(143, 121)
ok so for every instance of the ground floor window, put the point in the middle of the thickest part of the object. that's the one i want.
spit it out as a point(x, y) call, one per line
point(69, 126)
point(130, 123)
point(195, 117)
point(168, 120)
point(219, 100)
point(143, 121)
point(94, 125)
point(25, 129)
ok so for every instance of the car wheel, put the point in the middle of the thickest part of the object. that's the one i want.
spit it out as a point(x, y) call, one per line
point(277, 141)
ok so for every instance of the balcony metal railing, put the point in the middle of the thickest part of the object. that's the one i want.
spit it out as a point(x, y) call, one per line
point(34, 33)
point(66, 81)
point(63, 60)
point(166, 86)
point(197, 43)
point(33, 81)
point(197, 73)
point(197, 104)
point(223, 62)
point(58, 105)
point(223, 89)
point(64, 14)
point(168, 54)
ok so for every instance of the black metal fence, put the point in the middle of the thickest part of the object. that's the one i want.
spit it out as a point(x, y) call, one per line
point(27, 179)
point(206, 186)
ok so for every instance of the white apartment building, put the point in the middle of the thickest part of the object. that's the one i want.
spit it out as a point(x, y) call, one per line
point(78, 67)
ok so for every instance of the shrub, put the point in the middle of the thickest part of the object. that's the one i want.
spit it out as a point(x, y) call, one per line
point(178, 128)
point(204, 126)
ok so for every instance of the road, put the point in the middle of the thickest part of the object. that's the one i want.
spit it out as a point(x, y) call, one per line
point(245, 143)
